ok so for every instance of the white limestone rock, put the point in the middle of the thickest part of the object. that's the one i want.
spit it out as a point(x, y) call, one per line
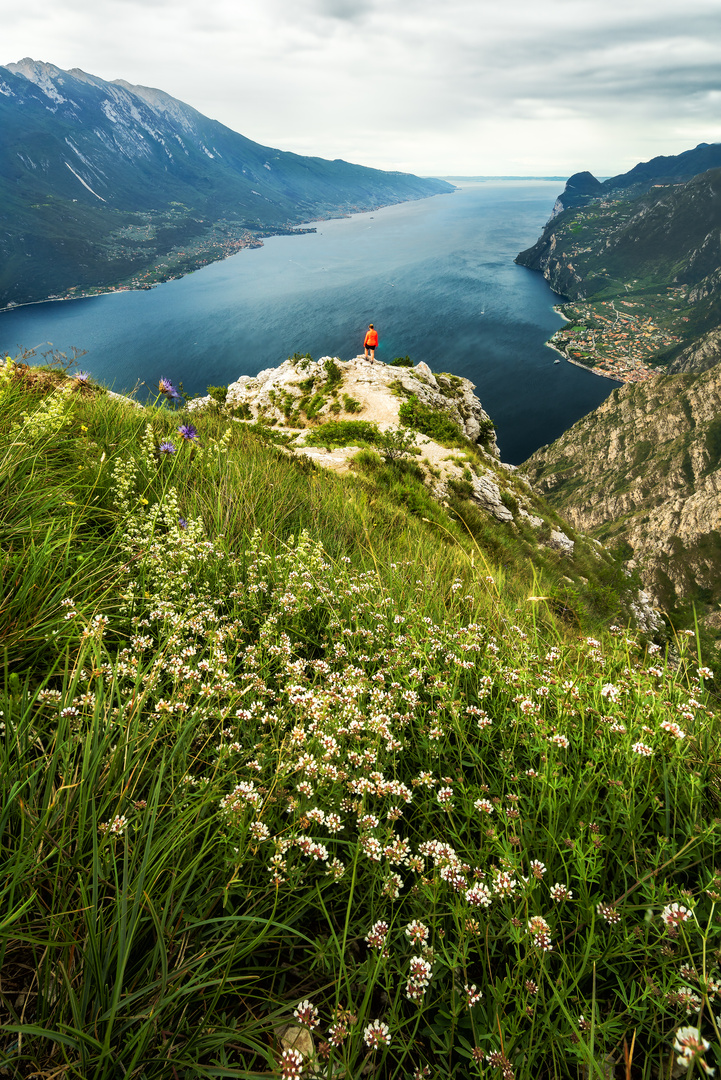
point(561, 542)
point(488, 494)
point(532, 519)
point(648, 618)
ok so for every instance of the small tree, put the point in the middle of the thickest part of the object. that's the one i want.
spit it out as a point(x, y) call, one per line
point(396, 444)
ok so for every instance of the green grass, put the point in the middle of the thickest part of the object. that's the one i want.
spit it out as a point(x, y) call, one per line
point(304, 745)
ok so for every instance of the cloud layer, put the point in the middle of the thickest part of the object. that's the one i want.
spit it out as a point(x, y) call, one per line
point(463, 87)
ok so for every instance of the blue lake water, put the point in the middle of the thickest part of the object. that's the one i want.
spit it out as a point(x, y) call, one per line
point(436, 277)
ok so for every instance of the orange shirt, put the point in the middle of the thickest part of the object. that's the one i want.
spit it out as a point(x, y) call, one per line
point(371, 339)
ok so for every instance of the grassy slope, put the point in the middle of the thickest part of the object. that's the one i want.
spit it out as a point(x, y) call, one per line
point(192, 710)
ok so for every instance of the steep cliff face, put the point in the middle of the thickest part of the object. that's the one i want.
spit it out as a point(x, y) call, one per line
point(645, 468)
point(700, 355)
point(667, 235)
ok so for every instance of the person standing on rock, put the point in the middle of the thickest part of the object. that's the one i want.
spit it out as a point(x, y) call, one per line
point(371, 342)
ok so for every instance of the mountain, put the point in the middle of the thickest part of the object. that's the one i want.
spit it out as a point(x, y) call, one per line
point(99, 180)
point(583, 187)
point(644, 470)
point(638, 259)
point(651, 244)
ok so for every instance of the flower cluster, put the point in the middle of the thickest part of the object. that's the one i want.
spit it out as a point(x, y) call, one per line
point(418, 978)
point(377, 1034)
point(689, 1046)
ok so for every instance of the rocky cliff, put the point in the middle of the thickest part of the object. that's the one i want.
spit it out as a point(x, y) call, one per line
point(655, 251)
point(644, 469)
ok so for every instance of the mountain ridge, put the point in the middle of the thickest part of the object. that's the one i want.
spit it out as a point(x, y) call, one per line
point(101, 181)
point(583, 187)
point(639, 263)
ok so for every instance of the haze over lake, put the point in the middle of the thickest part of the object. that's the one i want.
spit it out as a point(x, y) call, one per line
point(436, 277)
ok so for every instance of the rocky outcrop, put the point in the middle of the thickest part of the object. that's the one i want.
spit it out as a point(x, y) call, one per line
point(644, 469)
point(377, 389)
point(301, 394)
point(700, 356)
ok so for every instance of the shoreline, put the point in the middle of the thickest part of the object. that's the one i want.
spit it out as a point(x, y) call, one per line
point(586, 367)
point(293, 230)
point(100, 290)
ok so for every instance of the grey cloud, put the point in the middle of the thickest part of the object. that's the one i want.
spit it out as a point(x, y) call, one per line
point(461, 83)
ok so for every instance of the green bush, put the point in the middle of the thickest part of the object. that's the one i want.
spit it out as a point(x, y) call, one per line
point(431, 422)
point(344, 433)
point(397, 444)
point(218, 393)
point(334, 375)
point(401, 361)
point(485, 435)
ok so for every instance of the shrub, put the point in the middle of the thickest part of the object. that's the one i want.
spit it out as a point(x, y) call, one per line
point(401, 361)
point(334, 375)
point(397, 444)
point(431, 422)
point(218, 393)
point(344, 433)
point(485, 435)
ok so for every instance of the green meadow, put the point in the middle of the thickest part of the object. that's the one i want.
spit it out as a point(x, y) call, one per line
point(308, 775)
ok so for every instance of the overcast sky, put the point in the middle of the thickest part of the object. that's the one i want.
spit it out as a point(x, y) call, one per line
point(441, 87)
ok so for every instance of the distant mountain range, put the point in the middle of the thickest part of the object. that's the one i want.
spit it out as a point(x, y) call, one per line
point(583, 187)
point(103, 181)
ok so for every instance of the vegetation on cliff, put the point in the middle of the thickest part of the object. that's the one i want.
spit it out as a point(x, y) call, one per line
point(296, 781)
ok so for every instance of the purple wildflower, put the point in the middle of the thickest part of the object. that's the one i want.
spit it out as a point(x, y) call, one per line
point(188, 431)
point(81, 376)
point(166, 448)
point(166, 387)
point(182, 523)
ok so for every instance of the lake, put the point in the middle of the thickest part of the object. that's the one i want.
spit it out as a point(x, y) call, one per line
point(436, 277)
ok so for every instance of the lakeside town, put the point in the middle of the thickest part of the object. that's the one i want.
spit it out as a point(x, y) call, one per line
point(621, 338)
